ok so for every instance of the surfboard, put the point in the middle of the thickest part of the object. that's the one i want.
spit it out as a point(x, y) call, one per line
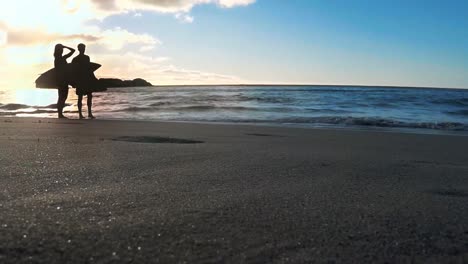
point(48, 79)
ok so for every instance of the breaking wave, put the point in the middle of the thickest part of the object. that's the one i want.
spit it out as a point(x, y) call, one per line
point(14, 106)
point(356, 121)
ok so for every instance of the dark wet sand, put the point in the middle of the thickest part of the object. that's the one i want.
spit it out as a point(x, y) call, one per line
point(93, 191)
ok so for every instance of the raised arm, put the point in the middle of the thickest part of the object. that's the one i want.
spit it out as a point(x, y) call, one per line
point(69, 54)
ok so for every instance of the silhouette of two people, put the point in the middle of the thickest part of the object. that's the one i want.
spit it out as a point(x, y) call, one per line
point(80, 75)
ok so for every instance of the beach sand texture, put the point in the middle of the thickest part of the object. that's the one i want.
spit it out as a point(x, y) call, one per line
point(78, 191)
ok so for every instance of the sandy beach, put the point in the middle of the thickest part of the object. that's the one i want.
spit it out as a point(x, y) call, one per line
point(83, 191)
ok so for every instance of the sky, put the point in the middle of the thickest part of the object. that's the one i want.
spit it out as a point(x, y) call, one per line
point(179, 42)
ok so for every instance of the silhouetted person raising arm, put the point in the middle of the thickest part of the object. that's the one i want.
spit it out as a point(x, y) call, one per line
point(60, 64)
point(85, 80)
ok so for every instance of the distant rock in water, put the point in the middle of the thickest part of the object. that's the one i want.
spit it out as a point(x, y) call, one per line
point(115, 83)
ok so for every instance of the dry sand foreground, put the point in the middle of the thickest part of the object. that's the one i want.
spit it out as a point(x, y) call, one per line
point(69, 193)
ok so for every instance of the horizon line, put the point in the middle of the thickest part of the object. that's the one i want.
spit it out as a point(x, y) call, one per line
point(327, 85)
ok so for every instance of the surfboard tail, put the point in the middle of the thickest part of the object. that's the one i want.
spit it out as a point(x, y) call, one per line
point(47, 80)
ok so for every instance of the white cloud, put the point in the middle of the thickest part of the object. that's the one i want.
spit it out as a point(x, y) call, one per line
point(146, 48)
point(184, 18)
point(30, 37)
point(157, 70)
point(27, 41)
point(66, 19)
point(117, 38)
point(232, 3)
point(166, 6)
point(3, 38)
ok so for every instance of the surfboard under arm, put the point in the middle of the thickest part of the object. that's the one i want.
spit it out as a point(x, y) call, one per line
point(48, 79)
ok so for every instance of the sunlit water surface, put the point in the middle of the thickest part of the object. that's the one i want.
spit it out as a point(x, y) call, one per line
point(337, 106)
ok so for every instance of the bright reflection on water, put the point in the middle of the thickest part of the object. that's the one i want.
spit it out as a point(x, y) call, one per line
point(33, 102)
point(39, 97)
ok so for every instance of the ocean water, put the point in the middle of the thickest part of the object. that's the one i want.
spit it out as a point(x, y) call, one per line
point(310, 106)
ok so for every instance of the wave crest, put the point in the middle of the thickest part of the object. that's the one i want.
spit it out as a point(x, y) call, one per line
point(358, 121)
point(13, 107)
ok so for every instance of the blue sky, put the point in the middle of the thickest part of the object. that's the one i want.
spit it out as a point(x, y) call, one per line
point(414, 43)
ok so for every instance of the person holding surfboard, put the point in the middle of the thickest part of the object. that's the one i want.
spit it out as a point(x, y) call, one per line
point(85, 81)
point(60, 64)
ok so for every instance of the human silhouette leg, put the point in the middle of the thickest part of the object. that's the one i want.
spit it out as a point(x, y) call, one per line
point(62, 98)
point(90, 105)
point(80, 105)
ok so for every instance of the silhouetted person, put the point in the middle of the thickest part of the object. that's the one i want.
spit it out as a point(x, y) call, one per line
point(85, 80)
point(60, 64)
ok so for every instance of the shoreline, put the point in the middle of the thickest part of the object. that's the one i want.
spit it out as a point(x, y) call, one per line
point(416, 131)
